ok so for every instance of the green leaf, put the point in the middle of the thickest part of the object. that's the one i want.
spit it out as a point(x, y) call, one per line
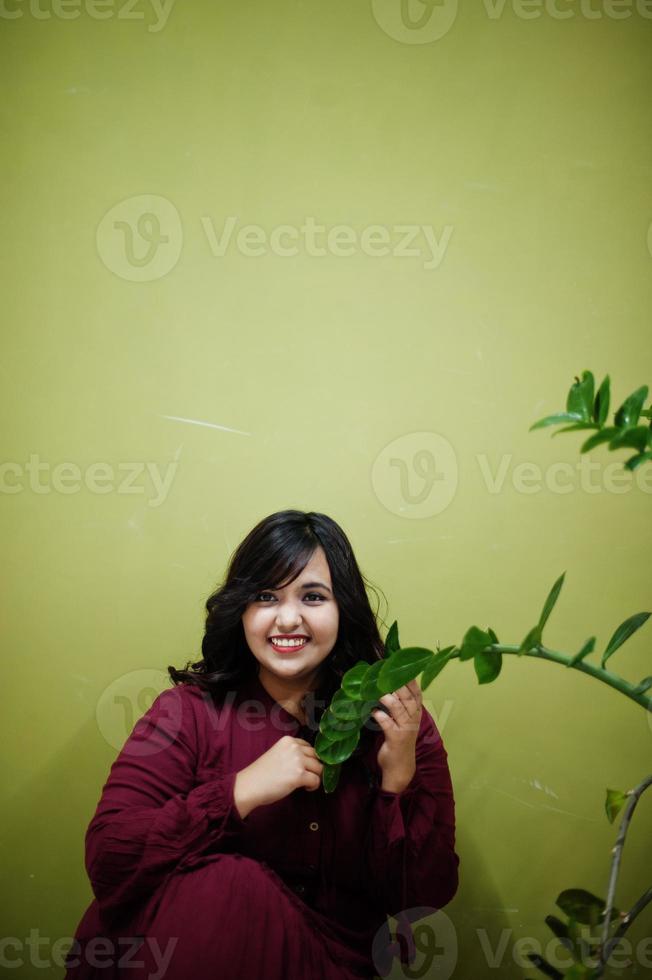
point(330, 777)
point(391, 640)
point(346, 709)
point(580, 971)
point(352, 679)
point(622, 633)
point(575, 427)
point(580, 396)
point(560, 930)
point(636, 438)
point(556, 419)
point(532, 639)
point(402, 666)
point(475, 640)
point(614, 803)
point(551, 600)
point(369, 690)
point(334, 729)
point(601, 403)
point(538, 961)
point(643, 685)
point(437, 664)
point(603, 436)
point(487, 665)
point(337, 752)
point(629, 412)
point(635, 461)
point(588, 648)
point(494, 638)
point(583, 906)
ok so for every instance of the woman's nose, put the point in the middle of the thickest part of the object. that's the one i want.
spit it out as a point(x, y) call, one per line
point(288, 617)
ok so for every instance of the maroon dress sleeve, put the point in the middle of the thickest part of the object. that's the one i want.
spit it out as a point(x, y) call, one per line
point(152, 817)
point(410, 848)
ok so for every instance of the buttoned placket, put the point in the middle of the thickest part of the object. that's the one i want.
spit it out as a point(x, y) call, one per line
point(313, 816)
point(312, 819)
point(312, 825)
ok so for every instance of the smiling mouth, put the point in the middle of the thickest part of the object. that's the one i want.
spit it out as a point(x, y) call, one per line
point(288, 646)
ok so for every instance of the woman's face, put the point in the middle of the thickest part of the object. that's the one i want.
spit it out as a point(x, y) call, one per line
point(305, 608)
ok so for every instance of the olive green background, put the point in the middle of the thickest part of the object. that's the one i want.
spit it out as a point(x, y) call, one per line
point(391, 391)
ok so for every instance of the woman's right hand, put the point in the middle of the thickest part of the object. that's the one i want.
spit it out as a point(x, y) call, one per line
point(289, 764)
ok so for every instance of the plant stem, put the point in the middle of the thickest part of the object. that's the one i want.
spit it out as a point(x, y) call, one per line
point(541, 652)
point(608, 944)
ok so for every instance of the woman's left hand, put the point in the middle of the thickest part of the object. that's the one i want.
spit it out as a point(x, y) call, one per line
point(397, 755)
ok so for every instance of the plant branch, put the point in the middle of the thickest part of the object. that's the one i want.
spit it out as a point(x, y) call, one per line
point(541, 652)
point(608, 944)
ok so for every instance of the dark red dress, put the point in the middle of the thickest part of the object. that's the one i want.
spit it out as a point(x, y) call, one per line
point(185, 889)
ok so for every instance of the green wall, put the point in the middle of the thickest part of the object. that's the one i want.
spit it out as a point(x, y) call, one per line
point(490, 171)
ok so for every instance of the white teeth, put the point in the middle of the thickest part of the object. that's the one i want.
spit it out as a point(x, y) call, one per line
point(288, 643)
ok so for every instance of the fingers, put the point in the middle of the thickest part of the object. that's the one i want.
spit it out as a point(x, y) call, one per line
point(315, 766)
point(404, 704)
point(302, 742)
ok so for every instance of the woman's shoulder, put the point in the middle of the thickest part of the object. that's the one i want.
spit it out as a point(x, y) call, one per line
point(179, 709)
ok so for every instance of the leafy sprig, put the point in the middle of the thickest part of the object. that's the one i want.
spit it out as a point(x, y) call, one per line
point(587, 409)
point(364, 684)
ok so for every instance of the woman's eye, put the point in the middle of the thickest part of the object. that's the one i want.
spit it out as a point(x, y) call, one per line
point(309, 595)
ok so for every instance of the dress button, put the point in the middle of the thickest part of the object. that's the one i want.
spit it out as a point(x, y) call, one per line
point(314, 825)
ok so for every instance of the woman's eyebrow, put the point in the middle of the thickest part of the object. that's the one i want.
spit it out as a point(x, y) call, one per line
point(310, 585)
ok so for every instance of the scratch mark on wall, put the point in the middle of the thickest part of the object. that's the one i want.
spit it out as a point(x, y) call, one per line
point(491, 908)
point(209, 425)
point(537, 785)
point(544, 806)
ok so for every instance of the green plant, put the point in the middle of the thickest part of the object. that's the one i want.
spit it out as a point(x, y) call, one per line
point(587, 410)
point(365, 683)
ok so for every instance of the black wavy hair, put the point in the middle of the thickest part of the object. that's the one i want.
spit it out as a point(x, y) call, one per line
point(276, 551)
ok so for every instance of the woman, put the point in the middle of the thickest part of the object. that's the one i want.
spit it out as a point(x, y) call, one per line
point(214, 850)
